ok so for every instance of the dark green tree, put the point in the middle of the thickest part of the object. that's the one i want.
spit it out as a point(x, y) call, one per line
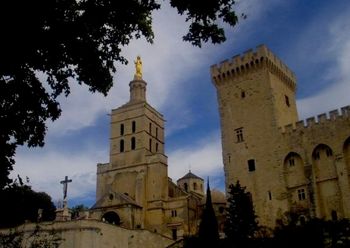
point(63, 39)
point(20, 203)
point(76, 210)
point(208, 234)
point(314, 232)
point(299, 234)
point(241, 224)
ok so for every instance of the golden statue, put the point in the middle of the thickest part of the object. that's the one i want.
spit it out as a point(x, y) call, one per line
point(138, 66)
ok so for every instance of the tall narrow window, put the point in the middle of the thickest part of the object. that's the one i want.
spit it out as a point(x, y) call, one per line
point(291, 162)
point(121, 147)
point(251, 165)
point(133, 143)
point(334, 215)
point(317, 155)
point(121, 129)
point(174, 232)
point(156, 132)
point(270, 195)
point(242, 94)
point(239, 135)
point(287, 100)
point(156, 147)
point(194, 186)
point(186, 187)
point(329, 152)
point(150, 145)
point(150, 128)
point(134, 126)
point(301, 194)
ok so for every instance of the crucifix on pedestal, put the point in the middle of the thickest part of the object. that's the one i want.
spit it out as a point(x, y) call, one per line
point(65, 188)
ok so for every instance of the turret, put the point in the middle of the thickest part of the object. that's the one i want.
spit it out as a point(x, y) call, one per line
point(191, 183)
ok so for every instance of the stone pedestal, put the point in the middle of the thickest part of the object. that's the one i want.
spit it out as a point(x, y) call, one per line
point(63, 214)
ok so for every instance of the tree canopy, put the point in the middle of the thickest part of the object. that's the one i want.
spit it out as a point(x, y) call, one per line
point(63, 39)
point(20, 203)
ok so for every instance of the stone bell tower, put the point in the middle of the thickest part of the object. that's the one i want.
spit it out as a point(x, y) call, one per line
point(137, 171)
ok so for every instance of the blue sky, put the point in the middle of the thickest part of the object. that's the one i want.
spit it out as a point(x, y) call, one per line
point(311, 37)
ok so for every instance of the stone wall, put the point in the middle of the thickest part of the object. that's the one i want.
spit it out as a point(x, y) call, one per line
point(91, 234)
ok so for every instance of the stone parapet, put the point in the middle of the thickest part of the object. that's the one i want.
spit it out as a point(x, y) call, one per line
point(330, 117)
point(251, 60)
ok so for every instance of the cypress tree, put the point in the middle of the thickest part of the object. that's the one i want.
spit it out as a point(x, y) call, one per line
point(208, 229)
point(240, 224)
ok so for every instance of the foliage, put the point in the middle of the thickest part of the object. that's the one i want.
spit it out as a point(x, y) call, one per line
point(314, 232)
point(52, 41)
point(208, 229)
point(20, 203)
point(208, 235)
point(241, 225)
point(76, 210)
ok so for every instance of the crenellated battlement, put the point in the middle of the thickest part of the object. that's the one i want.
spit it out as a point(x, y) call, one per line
point(251, 60)
point(310, 122)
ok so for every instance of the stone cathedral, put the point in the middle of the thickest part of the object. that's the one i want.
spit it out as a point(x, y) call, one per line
point(133, 190)
point(286, 164)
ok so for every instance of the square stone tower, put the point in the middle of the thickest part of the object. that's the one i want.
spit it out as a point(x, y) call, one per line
point(256, 95)
point(285, 164)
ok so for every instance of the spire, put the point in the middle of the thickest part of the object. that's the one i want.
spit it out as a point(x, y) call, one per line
point(208, 200)
point(138, 86)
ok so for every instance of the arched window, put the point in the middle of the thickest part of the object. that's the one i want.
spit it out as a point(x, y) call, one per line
point(186, 187)
point(121, 129)
point(134, 126)
point(121, 147)
point(133, 143)
point(294, 171)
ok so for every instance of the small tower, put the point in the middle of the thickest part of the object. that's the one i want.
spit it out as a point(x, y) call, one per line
point(191, 183)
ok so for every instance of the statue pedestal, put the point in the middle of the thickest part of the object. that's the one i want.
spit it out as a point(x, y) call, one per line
point(63, 214)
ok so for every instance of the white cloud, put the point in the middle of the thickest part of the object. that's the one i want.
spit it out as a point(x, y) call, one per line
point(335, 48)
point(203, 157)
point(46, 169)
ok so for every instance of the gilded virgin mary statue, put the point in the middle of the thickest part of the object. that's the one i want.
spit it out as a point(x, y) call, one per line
point(138, 67)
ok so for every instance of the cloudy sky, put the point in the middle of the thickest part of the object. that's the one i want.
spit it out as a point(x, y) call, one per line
point(312, 37)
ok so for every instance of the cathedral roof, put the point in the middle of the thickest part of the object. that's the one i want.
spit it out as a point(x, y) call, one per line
point(190, 175)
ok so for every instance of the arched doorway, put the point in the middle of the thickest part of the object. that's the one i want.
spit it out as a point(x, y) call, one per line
point(111, 218)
